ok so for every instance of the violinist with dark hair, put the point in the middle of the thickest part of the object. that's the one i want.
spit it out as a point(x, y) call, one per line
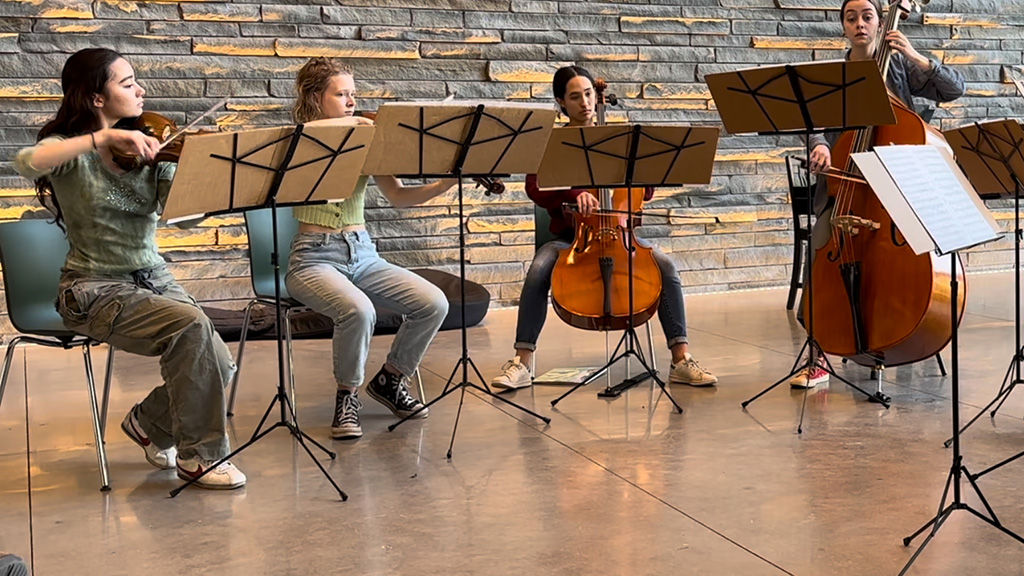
point(115, 287)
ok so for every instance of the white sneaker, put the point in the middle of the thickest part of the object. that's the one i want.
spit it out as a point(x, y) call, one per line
point(689, 372)
point(162, 459)
point(514, 375)
point(223, 477)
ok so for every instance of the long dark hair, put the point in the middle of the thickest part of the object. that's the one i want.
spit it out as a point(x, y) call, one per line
point(85, 74)
point(562, 78)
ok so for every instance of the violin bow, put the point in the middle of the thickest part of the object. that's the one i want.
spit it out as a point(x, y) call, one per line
point(655, 212)
point(194, 122)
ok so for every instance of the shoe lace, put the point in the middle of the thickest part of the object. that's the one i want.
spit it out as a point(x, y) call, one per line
point(512, 368)
point(347, 411)
point(403, 398)
point(695, 366)
point(224, 467)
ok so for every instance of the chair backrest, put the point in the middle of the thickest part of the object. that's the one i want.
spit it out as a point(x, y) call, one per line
point(799, 191)
point(32, 253)
point(541, 227)
point(259, 227)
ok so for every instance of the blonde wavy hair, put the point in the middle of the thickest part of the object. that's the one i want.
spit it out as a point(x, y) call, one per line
point(310, 84)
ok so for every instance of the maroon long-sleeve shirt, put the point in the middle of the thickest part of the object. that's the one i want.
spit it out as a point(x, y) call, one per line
point(553, 200)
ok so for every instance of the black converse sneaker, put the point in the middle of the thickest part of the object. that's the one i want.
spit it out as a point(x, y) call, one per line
point(392, 391)
point(346, 416)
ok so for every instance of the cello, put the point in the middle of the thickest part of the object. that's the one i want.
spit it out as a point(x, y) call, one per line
point(591, 286)
point(875, 301)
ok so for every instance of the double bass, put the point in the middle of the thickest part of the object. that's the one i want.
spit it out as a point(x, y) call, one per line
point(590, 284)
point(875, 301)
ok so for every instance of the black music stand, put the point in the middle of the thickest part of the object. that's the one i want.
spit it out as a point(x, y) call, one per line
point(802, 100)
point(459, 140)
point(936, 208)
point(628, 156)
point(267, 168)
point(990, 155)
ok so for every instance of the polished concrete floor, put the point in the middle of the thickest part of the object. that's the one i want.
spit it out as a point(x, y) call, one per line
point(609, 487)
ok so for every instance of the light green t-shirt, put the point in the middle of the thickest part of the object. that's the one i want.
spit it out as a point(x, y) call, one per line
point(336, 215)
point(110, 218)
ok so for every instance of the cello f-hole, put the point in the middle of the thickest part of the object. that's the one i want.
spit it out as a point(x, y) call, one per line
point(894, 233)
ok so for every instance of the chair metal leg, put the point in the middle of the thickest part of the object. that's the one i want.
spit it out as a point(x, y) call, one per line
point(106, 390)
point(607, 356)
point(8, 358)
point(794, 281)
point(238, 359)
point(650, 348)
point(419, 385)
point(101, 451)
point(942, 365)
point(291, 362)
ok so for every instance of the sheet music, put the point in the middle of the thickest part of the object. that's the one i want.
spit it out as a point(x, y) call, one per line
point(940, 197)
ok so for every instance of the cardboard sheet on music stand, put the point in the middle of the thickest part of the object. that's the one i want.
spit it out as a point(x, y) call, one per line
point(204, 184)
point(928, 197)
point(864, 103)
point(566, 162)
point(983, 164)
point(399, 150)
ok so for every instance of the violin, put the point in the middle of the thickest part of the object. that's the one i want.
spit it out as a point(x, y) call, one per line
point(875, 301)
point(489, 184)
point(172, 140)
point(606, 280)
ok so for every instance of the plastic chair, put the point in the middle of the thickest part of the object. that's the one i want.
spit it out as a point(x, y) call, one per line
point(799, 193)
point(541, 236)
point(259, 228)
point(32, 253)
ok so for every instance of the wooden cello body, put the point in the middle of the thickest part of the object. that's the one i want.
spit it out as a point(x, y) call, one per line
point(590, 284)
point(875, 301)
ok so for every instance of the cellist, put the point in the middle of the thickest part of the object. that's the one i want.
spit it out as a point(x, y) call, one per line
point(575, 94)
point(910, 74)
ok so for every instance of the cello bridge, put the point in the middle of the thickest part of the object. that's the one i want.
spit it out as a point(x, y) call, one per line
point(854, 224)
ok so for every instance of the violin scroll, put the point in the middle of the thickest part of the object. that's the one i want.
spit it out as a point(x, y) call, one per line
point(490, 185)
point(156, 126)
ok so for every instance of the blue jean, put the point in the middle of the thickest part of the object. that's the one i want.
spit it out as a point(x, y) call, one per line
point(533, 301)
point(341, 276)
point(149, 314)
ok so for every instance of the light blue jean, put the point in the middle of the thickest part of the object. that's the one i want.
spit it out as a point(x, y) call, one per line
point(341, 276)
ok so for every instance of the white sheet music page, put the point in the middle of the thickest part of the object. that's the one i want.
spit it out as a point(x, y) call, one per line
point(940, 196)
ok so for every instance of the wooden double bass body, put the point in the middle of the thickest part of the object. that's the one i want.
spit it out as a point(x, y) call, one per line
point(875, 301)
